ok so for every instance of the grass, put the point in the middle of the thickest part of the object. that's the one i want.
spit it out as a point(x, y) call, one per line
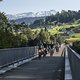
point(55, 30)
point(66, 26)
point(76, 35)
point(72, 39)
point(37, 29)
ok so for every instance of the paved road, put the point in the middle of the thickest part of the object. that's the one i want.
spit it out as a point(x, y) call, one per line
point(60, 53)
point(48, 68)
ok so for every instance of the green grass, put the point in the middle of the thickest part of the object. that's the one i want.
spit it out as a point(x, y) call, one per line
point(65, 26)
point(37, 29)
point(72, 39)
point(76, 35)
point(55, 30)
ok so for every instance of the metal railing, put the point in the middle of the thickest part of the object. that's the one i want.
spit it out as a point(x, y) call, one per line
point(74, 59)
point(12, 55)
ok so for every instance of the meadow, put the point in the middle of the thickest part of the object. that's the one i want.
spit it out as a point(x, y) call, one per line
point(55, 30)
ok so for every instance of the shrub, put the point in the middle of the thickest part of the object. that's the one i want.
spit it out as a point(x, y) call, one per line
point(76, 46)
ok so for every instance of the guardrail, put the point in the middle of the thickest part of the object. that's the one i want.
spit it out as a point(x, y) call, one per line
point(12, 55)
point(74, 59)
point(68, 75)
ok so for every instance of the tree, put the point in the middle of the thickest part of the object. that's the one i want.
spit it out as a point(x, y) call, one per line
point(52, 38)
point(76, 46)
point(44, 36)
point(64, 17)
point(7, 37)
point(8, 40)
point(29, 34)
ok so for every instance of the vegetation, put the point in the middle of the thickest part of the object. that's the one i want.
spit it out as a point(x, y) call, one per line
point(64, 17)
point(76, 46)
point(11, 34)
point(75, 35)
point(20, 35)
point(58, 19)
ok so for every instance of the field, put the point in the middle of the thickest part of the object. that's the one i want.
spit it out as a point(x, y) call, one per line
point(72, 39)
point(37, 29)
point(55, 30)
point(76, 35)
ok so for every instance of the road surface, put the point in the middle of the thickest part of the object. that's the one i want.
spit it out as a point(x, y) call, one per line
point(48, 68)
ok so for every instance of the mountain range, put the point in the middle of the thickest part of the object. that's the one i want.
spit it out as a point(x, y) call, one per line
point(31, 14)
point(30, 17)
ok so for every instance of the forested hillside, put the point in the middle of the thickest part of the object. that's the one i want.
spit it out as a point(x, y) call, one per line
point(60, 27)
point(64, 16)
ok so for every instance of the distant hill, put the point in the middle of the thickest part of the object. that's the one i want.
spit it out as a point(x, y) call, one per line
point(28, 20)
point(31, 14)
point(30, 17)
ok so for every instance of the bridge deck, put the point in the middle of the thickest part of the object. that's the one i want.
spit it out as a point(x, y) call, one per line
point(48, 68)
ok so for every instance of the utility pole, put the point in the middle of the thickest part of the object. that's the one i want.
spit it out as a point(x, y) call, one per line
point(44, 19)
point(58, 18)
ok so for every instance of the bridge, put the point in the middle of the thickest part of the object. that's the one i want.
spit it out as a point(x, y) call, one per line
point(23, 64)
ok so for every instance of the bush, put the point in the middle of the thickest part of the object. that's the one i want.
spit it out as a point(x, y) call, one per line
point(76, 46)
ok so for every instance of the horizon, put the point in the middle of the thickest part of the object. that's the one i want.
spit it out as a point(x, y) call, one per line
point(24, 6)
point(32, 11)
point(38, 11)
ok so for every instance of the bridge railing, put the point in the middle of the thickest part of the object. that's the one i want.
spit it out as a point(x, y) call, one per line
point(74, 59)
point(12, 55)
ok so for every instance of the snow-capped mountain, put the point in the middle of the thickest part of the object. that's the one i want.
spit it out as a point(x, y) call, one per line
point(45, 13)
point(31, 14)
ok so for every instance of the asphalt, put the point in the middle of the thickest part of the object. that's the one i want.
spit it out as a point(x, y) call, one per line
point(48, 68)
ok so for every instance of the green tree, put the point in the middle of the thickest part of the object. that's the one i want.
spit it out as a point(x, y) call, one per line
point(44, 36)
point(52, 38)
point(76, 46)
point(29, 33)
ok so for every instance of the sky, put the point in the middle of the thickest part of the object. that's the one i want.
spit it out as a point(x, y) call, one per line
point(22, 6)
